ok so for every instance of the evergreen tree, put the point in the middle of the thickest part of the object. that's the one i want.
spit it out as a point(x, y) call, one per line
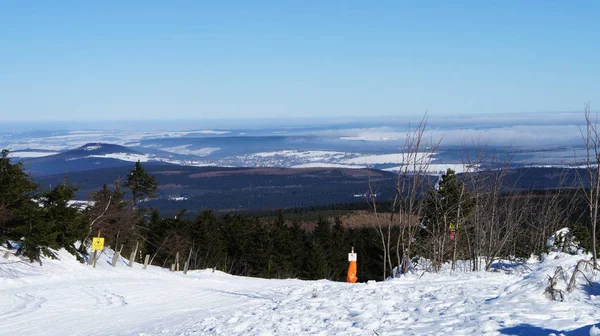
point(339, 249)
point(17, 191)
point(317, 264)
point(209, 239)
point(445, 209)
point(50, 224)
point(67, 221)
point(141, 184)
point(283, 247)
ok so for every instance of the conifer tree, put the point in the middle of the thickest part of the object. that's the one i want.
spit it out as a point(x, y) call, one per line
point(209, 239)
point(317, 263)
point(50, 224)
point(17, 190)
point(141, 184)
point(443, 215)
point(67, 221)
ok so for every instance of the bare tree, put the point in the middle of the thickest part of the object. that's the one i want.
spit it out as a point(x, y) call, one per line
point(383, 225)
point(591, 139)
point(551, 210)
point(406, 207)
point(413, 179)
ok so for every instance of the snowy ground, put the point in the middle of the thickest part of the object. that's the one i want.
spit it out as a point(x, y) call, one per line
point(68, 298)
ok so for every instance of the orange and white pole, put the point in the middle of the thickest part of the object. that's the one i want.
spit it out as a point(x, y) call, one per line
point(352, 267)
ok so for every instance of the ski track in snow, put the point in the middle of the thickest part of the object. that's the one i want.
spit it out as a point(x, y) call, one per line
point(391, 308)
point(68, 298)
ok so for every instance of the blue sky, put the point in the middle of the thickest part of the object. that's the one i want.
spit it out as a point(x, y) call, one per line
point(127, 60)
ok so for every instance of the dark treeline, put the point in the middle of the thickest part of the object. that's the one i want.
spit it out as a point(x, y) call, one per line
point(254, 246)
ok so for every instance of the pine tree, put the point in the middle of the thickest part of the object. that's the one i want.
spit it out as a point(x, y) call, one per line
point(319, 260)
point(50, 224)
point(339, 249)
point(446, 207)
point(67, 221)
point(209, 239)
point(317, 263)
point(17, 190)
point(141, 184)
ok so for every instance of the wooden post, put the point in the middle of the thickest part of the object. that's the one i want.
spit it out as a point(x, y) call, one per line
point(94, 258)
point(146, 261)
point(95, 255)
point(132, 257)
point(116, 257)
point(172, 267)
point(187, 263)
point(177, 262)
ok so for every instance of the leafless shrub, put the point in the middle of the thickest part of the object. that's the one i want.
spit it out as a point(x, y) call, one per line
point(581, 264)
point(551, 291)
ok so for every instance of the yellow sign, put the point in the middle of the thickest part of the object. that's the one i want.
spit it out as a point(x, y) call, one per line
point(98, 244)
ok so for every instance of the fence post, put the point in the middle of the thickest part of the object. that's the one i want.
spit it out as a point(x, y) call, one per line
point(187, 262)
point(94, 258)
point(132, 256)
point(116, 257)
point(146, 261)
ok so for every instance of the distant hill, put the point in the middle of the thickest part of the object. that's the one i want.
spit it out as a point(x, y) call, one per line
point(91, 156)
point(100, 149)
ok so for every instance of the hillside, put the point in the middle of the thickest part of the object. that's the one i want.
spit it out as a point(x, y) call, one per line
point(251, 189)
point(241, 189)
point(91, 156)
point(64, 297)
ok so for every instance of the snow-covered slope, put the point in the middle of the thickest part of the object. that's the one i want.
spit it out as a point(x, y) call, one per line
point(64, 297)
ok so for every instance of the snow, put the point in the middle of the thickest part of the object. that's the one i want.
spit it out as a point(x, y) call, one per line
point(558, 235)
point(185, 150)
point(397, 158)
point(563, 242)
point(81, 203)
point(435, 168)
point(64, 297)
point(91, 147)
point(326, 165)
point(307, 155)
point(30, 154)
point(213, 132)
point(123, 156)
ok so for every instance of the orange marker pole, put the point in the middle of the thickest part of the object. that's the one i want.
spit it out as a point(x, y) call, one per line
point(352, 278)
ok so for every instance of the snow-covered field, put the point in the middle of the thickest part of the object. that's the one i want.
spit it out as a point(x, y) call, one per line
point(434, 168)
point(30, 154)
point(186, 150)
point(64, 297)
point(395, 158)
